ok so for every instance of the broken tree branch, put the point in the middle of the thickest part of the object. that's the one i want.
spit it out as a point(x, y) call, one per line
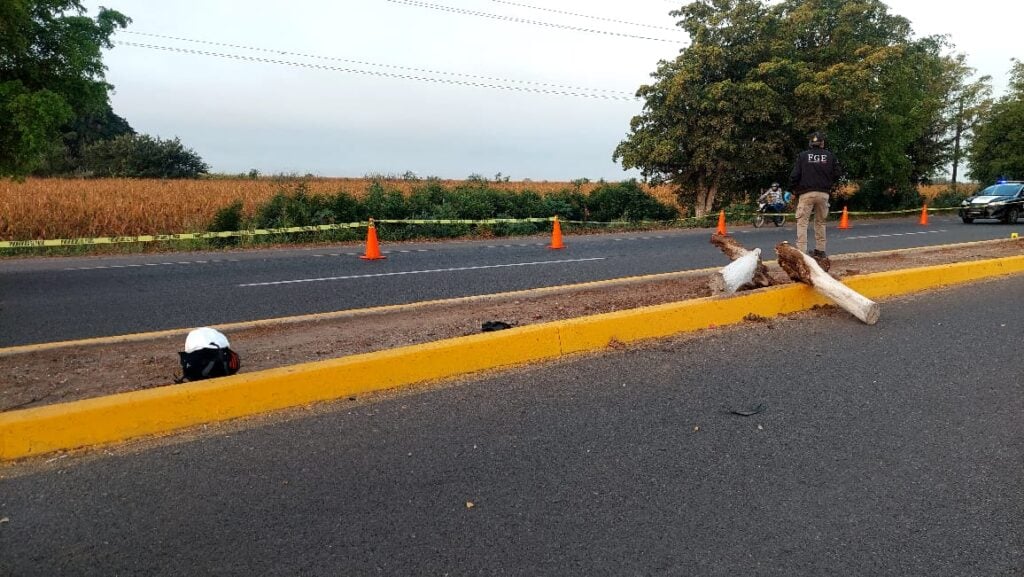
point(802, 268)
point(738, 273)
point(734, 251)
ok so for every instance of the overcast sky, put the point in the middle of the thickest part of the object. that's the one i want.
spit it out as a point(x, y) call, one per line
point(362, 87)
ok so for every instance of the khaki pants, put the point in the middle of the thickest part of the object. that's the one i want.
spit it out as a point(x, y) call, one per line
point(817, 202)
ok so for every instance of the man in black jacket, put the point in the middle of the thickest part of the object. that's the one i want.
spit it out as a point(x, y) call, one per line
point(814, 175)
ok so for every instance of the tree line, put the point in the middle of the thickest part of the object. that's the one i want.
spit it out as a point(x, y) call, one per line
point(55, 113)
point(731, 111)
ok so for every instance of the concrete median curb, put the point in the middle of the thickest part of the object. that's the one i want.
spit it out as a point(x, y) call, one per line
point(120, 417)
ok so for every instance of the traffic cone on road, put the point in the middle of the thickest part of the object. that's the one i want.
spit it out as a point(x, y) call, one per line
point(924, 215)
point(844, 220)
point(721, 224)
point(556, 235)
point(372, 248)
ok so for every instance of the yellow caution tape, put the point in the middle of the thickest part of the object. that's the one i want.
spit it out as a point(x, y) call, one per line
point(167, 237)
point(11, 244)
point(233, 233)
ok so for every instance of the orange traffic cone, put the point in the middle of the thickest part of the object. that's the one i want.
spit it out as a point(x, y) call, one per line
point(372, 248)
point(924, 215)
point(556, 235)
point(721, 224)
point(844, 221)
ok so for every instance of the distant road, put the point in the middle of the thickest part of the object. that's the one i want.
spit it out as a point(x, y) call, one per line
point(893, 449)
point(43, 300)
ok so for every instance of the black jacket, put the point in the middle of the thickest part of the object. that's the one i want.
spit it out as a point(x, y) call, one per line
point(815, 170)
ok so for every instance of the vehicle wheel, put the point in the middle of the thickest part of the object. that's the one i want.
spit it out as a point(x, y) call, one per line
point(1012, 215)
point(966, 220)
point(779, 220)
point(758, 220)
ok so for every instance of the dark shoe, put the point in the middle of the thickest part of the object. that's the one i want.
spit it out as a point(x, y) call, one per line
point(822, 259)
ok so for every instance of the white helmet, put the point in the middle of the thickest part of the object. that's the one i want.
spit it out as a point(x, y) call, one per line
point(205, 338)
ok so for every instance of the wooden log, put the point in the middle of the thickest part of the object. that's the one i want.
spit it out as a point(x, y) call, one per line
point(735, 250)
point(738, 273)
point(802, 268)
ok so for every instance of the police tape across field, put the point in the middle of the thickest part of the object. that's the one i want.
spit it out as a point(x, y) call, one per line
point(103, 240)
point(250, 232)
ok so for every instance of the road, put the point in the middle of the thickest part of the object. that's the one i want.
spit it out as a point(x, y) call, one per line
point(45, 300)
point(894, 449)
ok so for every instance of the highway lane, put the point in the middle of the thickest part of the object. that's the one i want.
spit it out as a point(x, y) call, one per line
point(895, 449)
point(43, 300)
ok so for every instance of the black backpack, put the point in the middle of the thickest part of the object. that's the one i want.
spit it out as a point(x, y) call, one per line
point(208, 363)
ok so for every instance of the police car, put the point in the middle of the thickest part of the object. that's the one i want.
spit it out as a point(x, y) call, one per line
point(1003, 201)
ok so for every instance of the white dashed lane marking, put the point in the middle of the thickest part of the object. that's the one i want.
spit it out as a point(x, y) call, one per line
point(179, 263)
point(412, 272)
point(894, 234)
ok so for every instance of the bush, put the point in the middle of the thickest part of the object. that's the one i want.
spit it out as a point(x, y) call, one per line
point(426, 200)
point(385, 204)
point(346, 208)
point(142, 156)
point(474, 200)
point(950, 198)
point(479, 203)
point(298, 209)
point(527, 204)
point(228, 218)
point(626, 201)
point(874, 196)
point(566, 204)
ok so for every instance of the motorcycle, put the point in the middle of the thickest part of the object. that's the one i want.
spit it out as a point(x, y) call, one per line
point(766, 212)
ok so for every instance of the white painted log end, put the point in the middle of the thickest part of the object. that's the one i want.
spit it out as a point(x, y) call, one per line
point(737, 273)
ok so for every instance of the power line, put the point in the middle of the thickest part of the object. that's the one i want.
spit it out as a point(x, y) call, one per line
point(374, 73)
point(524, 21)
point(587, 16)
point(392, 66)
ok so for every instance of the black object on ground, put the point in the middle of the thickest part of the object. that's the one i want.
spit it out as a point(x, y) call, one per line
point(748, 412)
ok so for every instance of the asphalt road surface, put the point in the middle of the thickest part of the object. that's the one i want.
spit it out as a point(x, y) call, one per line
point(894, 449)
point(45, 300)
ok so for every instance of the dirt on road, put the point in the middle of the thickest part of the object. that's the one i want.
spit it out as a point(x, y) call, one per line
point(66, 373)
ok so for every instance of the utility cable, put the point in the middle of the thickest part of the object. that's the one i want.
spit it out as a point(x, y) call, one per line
point(373, 73)
point(392, 66)
point(587, 16)
point(524, 21)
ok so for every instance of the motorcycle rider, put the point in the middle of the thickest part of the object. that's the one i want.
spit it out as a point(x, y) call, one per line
point(773, 199)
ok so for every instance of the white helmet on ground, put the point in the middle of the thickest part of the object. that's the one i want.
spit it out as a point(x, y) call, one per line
point(205, 338)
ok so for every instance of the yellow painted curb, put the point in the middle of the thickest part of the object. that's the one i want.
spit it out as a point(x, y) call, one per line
point(129, 415)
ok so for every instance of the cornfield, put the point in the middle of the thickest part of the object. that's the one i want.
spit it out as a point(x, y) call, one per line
point(49, 208)
point(930, 191)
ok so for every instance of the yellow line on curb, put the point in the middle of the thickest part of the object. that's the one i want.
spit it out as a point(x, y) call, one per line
point(125, 416)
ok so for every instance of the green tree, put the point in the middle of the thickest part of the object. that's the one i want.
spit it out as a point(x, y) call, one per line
point(969, 103)
point(77, 135)
point(711, 120)
point(997, 149)
point(142, 156)
point(51, 75)
point(730, 112)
